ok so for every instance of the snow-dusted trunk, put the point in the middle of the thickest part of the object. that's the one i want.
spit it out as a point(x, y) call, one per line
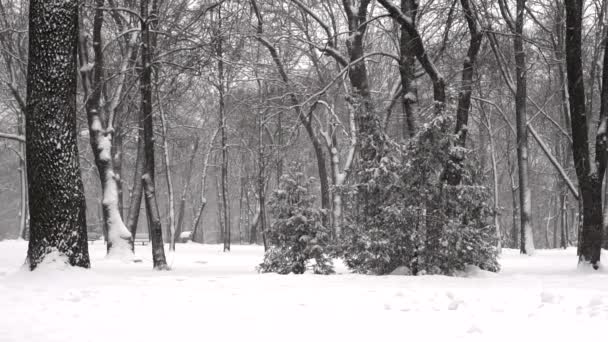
point(515, 205)
point(339, 175)
point(118, 235)
point(407, 60)
point(56, 195)
point(168, 179)
point(182, 200)
point(525, 197)
point(494, 179)
point(101, 141)
point(23, 210)
point(137, 189)
point(224, 139)
point(564, 223)
point(205, 167)
point(455, 166)
point(117, 166)
point(146, 118)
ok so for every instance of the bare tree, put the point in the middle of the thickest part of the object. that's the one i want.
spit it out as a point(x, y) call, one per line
point(590, 174)
point(146, 120)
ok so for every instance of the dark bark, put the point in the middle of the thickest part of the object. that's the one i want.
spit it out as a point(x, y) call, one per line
point(421, 54)
point(222, 120)
point(407, 61)
point(137, 190)
point(158, 250)
point(590, 180)
point(56, 197)
point(453, 172)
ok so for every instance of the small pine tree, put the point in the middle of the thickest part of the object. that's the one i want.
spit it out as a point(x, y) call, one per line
point(297, 235)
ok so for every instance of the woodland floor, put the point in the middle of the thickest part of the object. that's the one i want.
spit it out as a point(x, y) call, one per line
point(214, 296)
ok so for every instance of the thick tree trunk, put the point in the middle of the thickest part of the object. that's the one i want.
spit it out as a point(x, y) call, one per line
point(590, 178)
point(158, 250)
point(56, 195)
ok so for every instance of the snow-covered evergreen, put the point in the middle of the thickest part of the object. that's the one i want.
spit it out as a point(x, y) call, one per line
point(405, 215)
point(297, 235)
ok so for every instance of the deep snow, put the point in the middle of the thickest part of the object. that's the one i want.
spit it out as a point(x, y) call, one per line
point(211, 295)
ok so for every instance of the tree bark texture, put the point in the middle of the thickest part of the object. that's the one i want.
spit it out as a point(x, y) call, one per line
point(526, 245)
point(158, 250)
point(589, 176)
point(56, 198)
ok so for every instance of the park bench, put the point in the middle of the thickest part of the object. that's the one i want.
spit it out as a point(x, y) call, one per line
point(141, 239)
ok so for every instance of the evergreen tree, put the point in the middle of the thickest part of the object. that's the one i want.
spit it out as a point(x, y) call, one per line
point(404, 214)
point(297, 234)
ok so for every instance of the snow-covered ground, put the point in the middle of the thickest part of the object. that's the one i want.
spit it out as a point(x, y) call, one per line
point(214, 296)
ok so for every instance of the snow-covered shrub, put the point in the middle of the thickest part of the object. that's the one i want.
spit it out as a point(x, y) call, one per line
point(298, 240)
point(403, 212)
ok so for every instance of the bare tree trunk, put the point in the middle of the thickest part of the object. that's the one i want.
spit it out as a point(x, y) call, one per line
point(137, 190)
point(222, 110)
point(117, 163)
point(590, 175)
point(407, 60)
point(564, 223)
point(515, 204)
point(101, 138)
point(168, 179)
point(526, 242)
point(158, 250)
point(56, 196)
point(453, 172)
point(186, 186)
point(23, 208)
point(203, 187)
point(494, 178)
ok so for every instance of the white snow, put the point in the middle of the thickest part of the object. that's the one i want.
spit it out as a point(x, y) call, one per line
point(185, 235)
point(211, 295)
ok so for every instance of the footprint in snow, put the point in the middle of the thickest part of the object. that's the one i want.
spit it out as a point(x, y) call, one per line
point(454, 303)
point(474, 329)
point(549, 298)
